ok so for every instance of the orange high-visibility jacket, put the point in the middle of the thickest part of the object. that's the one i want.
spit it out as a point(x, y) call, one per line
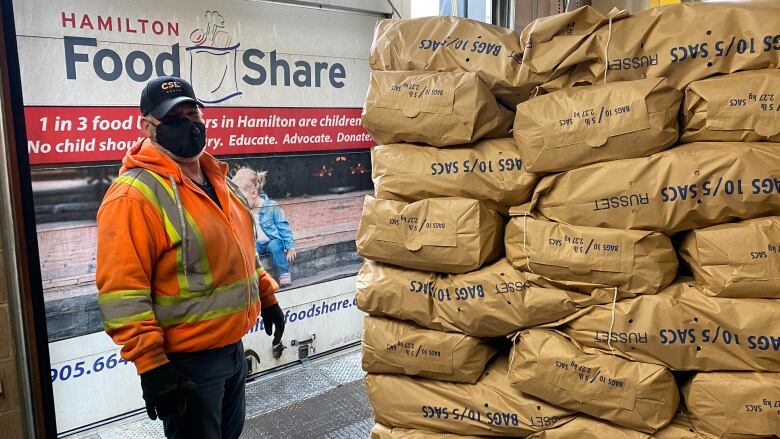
point(175, 273)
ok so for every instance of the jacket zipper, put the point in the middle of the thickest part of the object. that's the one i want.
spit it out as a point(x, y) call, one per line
point(240, 247)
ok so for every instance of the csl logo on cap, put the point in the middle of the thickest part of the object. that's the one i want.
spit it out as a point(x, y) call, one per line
point(170, 85)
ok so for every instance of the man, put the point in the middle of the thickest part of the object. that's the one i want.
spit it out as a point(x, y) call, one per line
point(177, 272)
point(274, 236)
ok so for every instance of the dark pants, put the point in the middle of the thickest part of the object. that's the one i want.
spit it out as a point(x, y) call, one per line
point(216, 408)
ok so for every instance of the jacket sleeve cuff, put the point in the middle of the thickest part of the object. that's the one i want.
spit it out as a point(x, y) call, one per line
point(268, 287)
point(150, 360)
point(268, 300)
point(267, 284)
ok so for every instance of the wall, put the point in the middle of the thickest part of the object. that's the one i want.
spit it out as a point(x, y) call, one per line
point(10, 403)
point(12, 420)
point(604, 6)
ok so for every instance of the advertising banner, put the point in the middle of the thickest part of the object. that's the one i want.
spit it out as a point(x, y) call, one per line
point(269, 84)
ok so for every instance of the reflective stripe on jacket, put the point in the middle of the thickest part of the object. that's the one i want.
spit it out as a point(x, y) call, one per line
point(175, 272)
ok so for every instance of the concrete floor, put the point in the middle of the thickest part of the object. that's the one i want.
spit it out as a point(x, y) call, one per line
point(322, 398)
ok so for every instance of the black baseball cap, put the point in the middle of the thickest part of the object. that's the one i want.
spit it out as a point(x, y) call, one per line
point(162, 94)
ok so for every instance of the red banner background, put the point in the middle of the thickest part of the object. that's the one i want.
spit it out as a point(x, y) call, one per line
point(60, 135)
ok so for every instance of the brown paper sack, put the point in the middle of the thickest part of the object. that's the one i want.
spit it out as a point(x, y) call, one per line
point(379, 431)
point(385, 290)
point(438, 108)
point(585, 427)
point(681, 42)
point(499, 299)
point(679, 428)
point(635, 395)
point(493, 301)
point(578, 126)
point(736, 259)
point(731, 405)
point(634, 261)
point(491, 407)
point(450, 44)
point(551, 42)
point(684, 329)
point(490, 170)
point(691, 186)
point(741, 107)
point(451, 235)
point(395, 346)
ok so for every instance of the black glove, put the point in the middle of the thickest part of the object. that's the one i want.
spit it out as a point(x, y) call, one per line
point(164, 391)
point(273, 315)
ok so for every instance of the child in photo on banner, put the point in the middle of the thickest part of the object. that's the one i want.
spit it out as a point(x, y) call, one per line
point(274, 236)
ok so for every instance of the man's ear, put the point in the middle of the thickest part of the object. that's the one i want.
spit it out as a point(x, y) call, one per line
point(147, 128)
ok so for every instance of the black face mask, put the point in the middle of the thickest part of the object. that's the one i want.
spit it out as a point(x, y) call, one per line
point(182, 137)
